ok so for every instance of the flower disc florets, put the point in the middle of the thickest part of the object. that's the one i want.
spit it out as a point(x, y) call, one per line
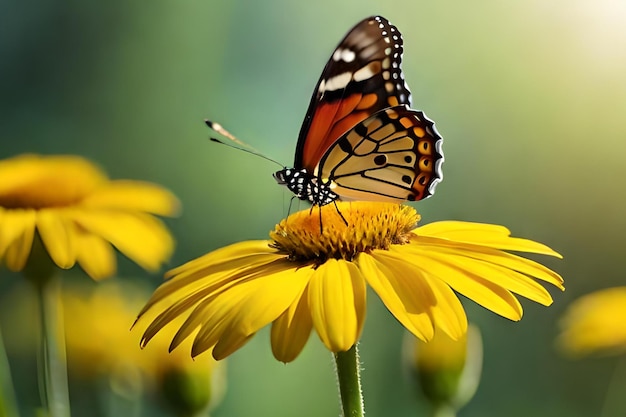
point(369, 226)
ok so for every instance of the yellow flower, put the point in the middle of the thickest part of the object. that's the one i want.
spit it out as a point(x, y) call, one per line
point(78, 213)
point(99, 342)
point(595, 324)
point(305, 278)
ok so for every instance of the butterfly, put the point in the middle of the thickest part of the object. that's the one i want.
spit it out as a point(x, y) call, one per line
point(360, 140)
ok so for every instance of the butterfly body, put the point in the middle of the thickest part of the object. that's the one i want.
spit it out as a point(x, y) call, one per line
point(360, 139)
point(306, 186)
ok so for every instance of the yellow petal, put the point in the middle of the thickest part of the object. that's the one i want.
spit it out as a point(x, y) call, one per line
point(448, 314)
point(337, 300)
point(58, 236)
point(513, 281)
point(409, 305)
point(211, 328)
point(13, 224)
point(95, 255)
point(452, 229)
point(498, 275)
point(47, 181)
point(267, 298)
point(481, 291)
point(292, 329)
point(221, 256)
point(227, 345)
point(140, 237)
point(505, 259)
point(481, 234)
point(202, 283)
point(224, 264)
point(258, 301)
point(191, 323)
point(17, 253)
point(133, 196)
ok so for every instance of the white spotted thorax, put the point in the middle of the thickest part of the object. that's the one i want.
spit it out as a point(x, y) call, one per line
point(306, 186)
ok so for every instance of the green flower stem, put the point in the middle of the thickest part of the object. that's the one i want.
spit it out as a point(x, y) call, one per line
point(53, 377)
point(444, 411)
point(122, 391)
point(8, 404)
point(349, 379)
point(613, 399)
point(52, 366)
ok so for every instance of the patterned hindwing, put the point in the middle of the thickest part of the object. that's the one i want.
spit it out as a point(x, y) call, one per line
point(394, 155)
point(362, 77)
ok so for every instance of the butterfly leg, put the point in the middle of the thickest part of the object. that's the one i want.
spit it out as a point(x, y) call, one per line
point(339, 212)
point(290, 203)
point(321, 227)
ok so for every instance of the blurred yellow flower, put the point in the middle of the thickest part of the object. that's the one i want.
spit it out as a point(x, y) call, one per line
point(594, 323)
point(79, 213)
point(305, 278)
point(99, 342)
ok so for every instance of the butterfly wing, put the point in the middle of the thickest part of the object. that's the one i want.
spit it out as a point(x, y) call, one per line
point(362, 77)
point(394, 155)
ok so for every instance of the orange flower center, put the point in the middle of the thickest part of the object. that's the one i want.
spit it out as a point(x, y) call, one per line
point(369, 226)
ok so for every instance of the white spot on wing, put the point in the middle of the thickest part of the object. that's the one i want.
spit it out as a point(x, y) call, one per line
point(364, 73)
point(345, 55)
point(348, 55)
point(337, 82)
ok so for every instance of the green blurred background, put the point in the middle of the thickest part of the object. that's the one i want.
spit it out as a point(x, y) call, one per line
point(529, 96)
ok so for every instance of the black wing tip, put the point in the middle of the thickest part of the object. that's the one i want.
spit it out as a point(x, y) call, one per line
point(208, 123)
point(378, 18)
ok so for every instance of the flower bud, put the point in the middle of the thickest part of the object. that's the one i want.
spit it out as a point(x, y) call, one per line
point(448, 371)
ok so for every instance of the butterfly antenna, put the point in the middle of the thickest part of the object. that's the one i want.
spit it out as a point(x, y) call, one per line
point(242, 146)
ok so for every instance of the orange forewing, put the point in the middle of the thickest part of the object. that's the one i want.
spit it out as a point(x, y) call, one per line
point(331, 120)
